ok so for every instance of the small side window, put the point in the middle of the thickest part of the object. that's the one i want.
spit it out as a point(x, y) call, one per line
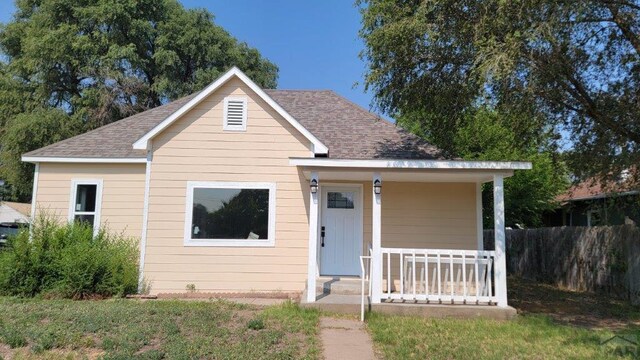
point(85, 201)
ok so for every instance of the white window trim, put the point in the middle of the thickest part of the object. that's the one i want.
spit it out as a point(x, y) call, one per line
point(269, 242)
point(72, 201)
point(225, 125)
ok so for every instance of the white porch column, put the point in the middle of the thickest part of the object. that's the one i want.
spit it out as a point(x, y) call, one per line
point(313, 242)
point(376, 240)
point(479, 227)
point(500, 265)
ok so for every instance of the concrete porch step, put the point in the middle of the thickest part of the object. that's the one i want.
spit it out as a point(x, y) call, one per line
point(339, 286)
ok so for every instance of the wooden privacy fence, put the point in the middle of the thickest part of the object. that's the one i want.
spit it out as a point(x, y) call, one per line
point(603, 259)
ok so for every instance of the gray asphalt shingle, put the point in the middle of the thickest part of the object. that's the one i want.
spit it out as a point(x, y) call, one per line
point(349, 131)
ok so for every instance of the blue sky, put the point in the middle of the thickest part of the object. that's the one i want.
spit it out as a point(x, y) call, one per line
point(314, 43)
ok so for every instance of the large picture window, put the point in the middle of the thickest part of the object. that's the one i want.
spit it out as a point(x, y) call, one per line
point(85, 202)
point(230, 214)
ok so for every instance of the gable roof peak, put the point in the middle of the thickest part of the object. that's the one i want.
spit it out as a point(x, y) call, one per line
point(143, 142)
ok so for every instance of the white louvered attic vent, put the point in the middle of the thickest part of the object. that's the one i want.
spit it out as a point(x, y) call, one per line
point(235, 114)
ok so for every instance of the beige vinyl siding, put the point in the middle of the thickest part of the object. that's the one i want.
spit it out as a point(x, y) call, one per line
point(424, 215)
point(122, 192)
point(195, 148)
point(429, 215)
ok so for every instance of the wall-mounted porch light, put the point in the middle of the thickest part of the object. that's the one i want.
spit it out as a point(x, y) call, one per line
point(377, 187)
point(314, 186)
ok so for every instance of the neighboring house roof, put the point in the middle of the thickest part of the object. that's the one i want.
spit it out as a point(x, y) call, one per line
point(349, 131)
point(22, 208)
point(593, 189)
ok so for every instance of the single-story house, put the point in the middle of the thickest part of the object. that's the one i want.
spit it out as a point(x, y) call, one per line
point(14, 212)
point(242, 189)
point(591, 203)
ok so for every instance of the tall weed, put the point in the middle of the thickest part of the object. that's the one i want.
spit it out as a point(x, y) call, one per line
point(67, 260)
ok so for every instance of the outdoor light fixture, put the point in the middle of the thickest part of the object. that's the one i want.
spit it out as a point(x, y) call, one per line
point(377, 186)
point(314, 186)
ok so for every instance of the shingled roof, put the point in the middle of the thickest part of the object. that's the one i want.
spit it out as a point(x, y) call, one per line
point(349, 131)
point(114, 140)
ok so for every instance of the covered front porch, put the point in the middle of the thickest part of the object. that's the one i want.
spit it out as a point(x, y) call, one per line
point(422, 245)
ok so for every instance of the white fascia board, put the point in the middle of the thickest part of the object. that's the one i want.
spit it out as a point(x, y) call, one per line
point(142, 143)
point(39, 159)
point(411, 164)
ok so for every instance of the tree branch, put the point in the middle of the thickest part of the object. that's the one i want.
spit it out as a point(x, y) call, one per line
point(622, 3)
point(625, 28)
point(580, 93)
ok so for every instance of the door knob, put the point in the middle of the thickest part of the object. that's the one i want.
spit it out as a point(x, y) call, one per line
point(322, 236)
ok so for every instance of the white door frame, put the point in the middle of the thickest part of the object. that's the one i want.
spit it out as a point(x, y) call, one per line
point(360, 215)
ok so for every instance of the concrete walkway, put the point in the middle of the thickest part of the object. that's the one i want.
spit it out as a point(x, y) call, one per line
point(345, 339)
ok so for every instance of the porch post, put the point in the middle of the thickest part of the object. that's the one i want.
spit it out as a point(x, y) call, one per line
point(500, 265)
point(313, 243)
point(376, 240)
point(479, 225)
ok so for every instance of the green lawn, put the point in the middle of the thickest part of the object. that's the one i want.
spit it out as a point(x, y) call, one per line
point(125, 329)
point(553, 324)
point(527, 337)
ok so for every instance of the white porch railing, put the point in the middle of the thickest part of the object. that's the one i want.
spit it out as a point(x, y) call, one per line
point(443, 276)
point(365, 271)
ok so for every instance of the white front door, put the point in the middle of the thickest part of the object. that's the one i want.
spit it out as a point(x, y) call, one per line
point(341, 225)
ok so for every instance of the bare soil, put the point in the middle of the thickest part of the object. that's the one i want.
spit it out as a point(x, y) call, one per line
point(589, 310)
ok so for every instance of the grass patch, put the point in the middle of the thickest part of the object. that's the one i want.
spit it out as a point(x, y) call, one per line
point(552, 324)
point(126, 329)
point(527, 337)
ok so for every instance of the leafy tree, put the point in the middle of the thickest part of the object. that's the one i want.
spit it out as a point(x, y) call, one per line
point(102, 60)
point(560, 64)
point(486, 135)
point(29, 131)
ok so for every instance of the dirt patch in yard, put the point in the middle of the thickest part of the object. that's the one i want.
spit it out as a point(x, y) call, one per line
point(26, 352)
point(582, 309)
point(154, 344)
point(5, 351)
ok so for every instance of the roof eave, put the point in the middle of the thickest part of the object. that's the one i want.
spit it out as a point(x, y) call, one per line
point(410, 164)
point(51, 159)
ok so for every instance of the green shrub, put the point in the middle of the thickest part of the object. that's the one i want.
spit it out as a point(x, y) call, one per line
point(67, 260)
